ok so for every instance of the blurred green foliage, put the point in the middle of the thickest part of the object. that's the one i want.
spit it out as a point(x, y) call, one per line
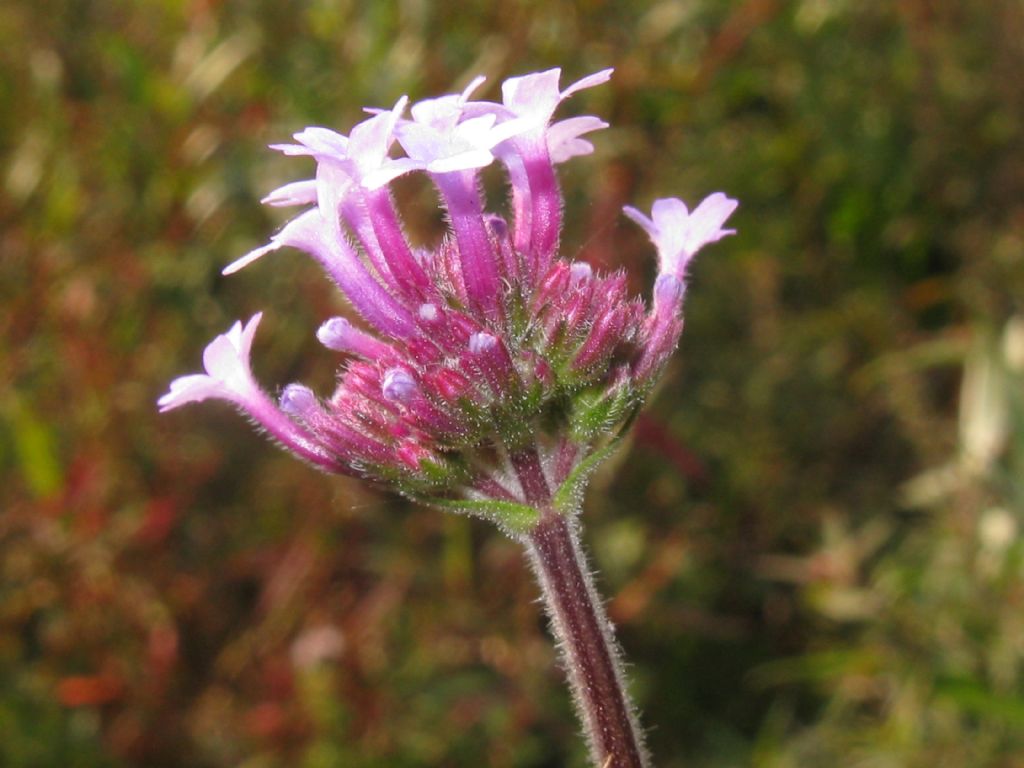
point(812, 549)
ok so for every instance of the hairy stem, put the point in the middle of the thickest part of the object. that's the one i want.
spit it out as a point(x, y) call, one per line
point(526, 463)
point(588, 648)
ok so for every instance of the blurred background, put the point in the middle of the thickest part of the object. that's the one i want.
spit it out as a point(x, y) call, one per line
point(812, 545)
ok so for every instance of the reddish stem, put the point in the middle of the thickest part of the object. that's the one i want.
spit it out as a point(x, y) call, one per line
point(528, 468)
point(585, 637)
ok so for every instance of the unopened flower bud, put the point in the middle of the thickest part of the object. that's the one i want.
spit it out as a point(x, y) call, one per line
point(398, 386)
point(579, 273)
point(428, 313)
point(298, 400)
point(340, 335)
point(482, 343)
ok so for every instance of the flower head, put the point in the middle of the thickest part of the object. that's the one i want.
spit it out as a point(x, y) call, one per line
point(486, 353)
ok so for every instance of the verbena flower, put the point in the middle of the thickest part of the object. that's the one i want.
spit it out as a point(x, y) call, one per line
point(484, 349)
point(486, 376)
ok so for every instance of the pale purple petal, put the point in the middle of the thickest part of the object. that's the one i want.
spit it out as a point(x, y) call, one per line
point(475, 130)
point(636, 215)
point(475, 83)
point(291, 150)
point(669, 212)
point(463, 161)
point(564, 140)
point(221, 358)
point(322, 141)
point(297, 233)
point(226, 358)
point(296, 193)
point(191, 389)
point(588, 82)
point(389, 171)
point(249, 258)
point(534, 95)
point(444, 111)
point(705, 225)
point(507, 130)
point(444, 152)
point(439, 141)
point(422, 142)
point(229, 377)
point(361, 158)
point(370, 140)
point(672, 221)
point(333, 185)
point(441, 113)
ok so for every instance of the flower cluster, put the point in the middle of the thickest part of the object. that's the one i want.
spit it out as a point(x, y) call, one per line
point(484, 368)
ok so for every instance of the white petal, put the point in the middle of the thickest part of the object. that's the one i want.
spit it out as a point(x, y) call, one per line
point(296, 193)
point(463, 161)
point(390, 171)
point(588, 82)
point(190, 389)
point(642, 220)
point(249, 258)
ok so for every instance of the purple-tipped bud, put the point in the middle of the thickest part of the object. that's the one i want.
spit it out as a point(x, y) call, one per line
point(579, 273)
point(496, 226)
point(340, 335)
point(494, 362)
point(482, 343)
point(335, 334)
point(398, 386)
point(299, 401)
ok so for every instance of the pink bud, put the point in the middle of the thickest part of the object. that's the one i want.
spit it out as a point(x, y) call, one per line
point(298, 400)
point(398, 385)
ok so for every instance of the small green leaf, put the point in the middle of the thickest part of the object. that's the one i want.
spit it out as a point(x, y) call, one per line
point(569, 495)
point(516, 518)
point(597, 411)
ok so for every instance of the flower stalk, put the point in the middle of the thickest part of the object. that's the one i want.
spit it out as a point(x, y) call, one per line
point(584, 634)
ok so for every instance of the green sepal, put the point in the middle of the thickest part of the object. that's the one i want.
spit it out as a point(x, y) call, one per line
point(569, 496)
point(440, 474)
point(595, 412)
point(514, 518)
